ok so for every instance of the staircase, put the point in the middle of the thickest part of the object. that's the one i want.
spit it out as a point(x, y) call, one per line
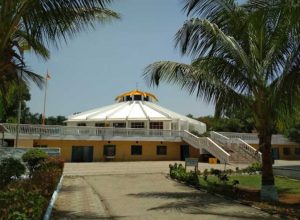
point(227, 150)
point(206, 144)
point(240, 151)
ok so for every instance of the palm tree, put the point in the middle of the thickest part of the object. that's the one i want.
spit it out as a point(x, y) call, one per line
point(243, 56)
point(36, 24)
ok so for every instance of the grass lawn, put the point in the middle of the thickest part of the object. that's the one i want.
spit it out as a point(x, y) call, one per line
point(283, 184)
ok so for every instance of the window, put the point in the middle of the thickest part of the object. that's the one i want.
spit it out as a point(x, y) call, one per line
point(128, 98)
point(297, 150)
point(81, 124)
point(136, 149)
point(137, 97)
point(137, 125)
point(40, 146)
point(146, 98)
point(100, 124)
point(109, 150)
point(286, 151)
point(119, 125)
point(156, 125)
point(161, 150)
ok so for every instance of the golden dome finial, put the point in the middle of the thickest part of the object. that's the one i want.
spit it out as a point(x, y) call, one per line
point(123, 96)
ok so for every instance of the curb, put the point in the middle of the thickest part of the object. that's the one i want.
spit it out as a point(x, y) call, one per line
point(53, 199)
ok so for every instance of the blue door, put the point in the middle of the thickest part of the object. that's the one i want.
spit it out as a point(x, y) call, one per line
point(275, 153)
point(82, 153)
point(184, 152)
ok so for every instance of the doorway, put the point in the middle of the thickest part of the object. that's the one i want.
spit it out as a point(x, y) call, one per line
point(275, 153)
point(184, 152)
point(82, 153)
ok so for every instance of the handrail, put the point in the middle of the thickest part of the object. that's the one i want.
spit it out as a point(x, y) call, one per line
point(221, 149)
point(207, 144)
point(247, 148)
point(241, 144)
point(52, 131)
point(219, 137)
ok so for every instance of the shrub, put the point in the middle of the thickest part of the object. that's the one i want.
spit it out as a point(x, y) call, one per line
point(47, 175)
point(46, 180)
point(34, 158)
point(192, 178)
point(215, 172)
point(11, 169)
point(20, 204)
point(178, 172)
point(205, 172)
point(52, 162)
point(253, 168)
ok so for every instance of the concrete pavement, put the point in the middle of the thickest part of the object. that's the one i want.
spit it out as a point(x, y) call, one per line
point(132, 194)
point(100, 168)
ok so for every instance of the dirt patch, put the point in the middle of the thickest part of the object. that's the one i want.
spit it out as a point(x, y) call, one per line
point(289, 199)
point(248, 194)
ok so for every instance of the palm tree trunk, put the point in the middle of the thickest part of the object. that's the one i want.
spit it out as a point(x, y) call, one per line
point(268, 189)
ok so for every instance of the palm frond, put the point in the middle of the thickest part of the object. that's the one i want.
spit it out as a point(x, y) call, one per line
point(194, 80)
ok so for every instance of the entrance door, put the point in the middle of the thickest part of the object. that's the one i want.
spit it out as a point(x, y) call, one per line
point(275, 153)
point(82, 153)
point(184, 152)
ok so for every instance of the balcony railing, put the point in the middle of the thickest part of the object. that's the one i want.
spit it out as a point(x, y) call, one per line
point(252, 138)
point(103, 133)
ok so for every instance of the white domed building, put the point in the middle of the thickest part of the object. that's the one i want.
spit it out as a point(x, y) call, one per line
point(136, 109)
point(134, 128)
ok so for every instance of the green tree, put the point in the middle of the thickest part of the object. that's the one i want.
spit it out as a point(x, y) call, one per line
point(244, 56)
point(58, 120)
point(36, 24)
point(9, 101)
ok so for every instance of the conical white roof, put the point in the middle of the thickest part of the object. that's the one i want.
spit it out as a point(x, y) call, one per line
point(133, 110)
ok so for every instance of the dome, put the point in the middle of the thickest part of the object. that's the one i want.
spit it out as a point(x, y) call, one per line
point(136, 108)
point(136, 95)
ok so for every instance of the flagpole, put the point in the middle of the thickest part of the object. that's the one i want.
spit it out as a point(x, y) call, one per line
point(45, 100)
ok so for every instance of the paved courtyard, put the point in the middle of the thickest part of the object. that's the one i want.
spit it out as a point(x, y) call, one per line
point(117, 192)
point(85, 169)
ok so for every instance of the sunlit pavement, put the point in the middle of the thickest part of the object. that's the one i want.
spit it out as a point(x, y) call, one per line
point(84, 169)
point(139, 190)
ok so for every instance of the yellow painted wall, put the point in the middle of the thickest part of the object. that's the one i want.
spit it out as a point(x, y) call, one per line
point(194, 152)
point(123, 149)
point(24, 143)
point(282, 156)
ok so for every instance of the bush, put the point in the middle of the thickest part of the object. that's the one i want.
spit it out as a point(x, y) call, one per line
point(11, 169)
point(253, 168)
point(46, 181)
point(46, 177)
point(20, 204)
point(34, 158)
point(178, 172)
point(52, 162)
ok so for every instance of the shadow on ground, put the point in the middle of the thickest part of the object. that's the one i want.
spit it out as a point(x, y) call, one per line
point(65, 215)
point(202, 203)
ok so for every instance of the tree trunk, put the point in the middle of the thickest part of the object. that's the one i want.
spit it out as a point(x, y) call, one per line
point(268, 189)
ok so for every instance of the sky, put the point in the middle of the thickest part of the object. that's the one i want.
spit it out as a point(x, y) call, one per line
point(96, 66)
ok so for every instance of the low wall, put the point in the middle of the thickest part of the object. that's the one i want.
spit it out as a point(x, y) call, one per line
point(17, 152)
point(288, 171)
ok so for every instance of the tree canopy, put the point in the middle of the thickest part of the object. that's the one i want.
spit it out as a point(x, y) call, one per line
point(243, 57)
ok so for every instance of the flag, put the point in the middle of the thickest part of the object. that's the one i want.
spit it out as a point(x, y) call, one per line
point(48, 76)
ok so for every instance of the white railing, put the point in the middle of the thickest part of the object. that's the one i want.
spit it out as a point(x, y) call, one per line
point(231, 138)
point(219, 137)
point(252, 138)
point(248, 149)
point(190, 138)
point(243, 136)
point(83, 131)
point(207, 144)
